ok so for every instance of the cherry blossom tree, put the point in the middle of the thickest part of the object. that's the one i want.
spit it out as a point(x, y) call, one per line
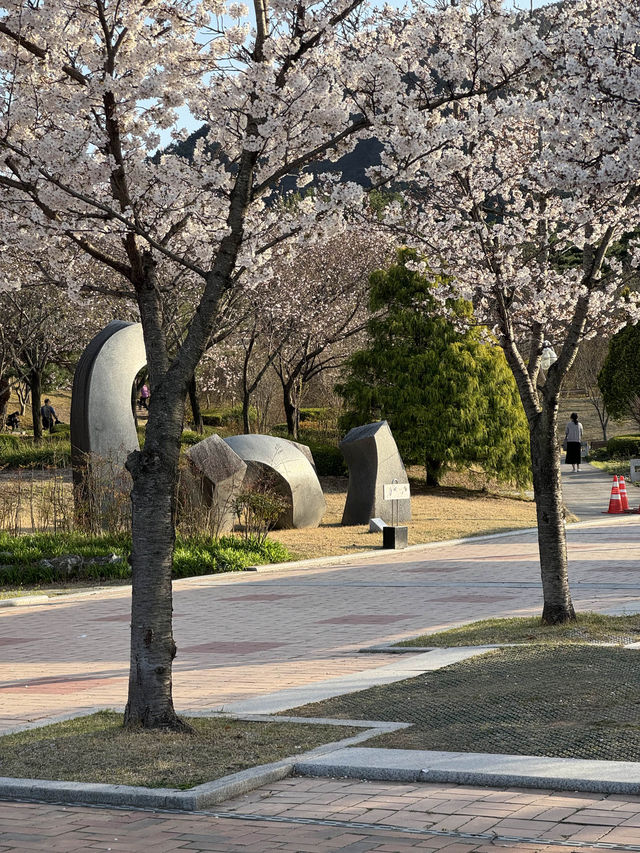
point(324, 296)
point(42, 328)
point(520, 208)
point(86, 91)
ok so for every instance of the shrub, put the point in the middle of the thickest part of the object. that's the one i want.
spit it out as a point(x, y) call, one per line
point(28, 560)
point(319, 415)
point(324, 448)
point(258, 511)
point(624, 447)
point(189, 437)
point(226, 416)
point(327, 456)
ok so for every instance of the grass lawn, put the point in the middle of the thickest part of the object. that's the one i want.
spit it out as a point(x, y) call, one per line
point(450, 512)
point(615, 466)
point(571, 701)
point(589, 628)
point(98, 749)
point(41, 559)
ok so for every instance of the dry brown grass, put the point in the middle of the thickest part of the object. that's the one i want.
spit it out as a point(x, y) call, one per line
point(61, 401)
point(98, 749)
point(438, 514)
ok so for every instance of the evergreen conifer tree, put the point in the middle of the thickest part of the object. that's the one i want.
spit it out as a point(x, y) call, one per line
point(450, 398)
point(619, 379)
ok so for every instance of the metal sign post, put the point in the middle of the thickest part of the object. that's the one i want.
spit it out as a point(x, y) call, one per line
point(395, 536)
point(395, 492)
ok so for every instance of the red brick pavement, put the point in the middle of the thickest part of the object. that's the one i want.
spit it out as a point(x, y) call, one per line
point(306, 625)
point(316, 815)
point(243, 635)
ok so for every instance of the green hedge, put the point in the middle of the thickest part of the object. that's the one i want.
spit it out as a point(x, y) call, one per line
point(624, 447)
point(324, 448)
point(226, 416)
point(21, 557)
point(328, 458)
point(321, 414)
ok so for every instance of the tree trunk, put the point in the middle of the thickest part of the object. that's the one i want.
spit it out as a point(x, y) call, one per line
point(35, 386)
point(134, 403)
point(291, 410)
point(246, 421)
point(552, 542)
point(433, 470)
point(154, 470)
point(196, 411)
point(23, 397)
point(5, 394)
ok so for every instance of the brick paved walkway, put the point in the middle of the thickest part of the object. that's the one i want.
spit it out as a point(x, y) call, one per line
point(245, 635)
point(318, 815)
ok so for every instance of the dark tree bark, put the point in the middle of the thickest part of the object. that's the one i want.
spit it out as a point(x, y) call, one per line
point(552, 544)
point(5, 393)
point(433, 470)
point(35, 386)
point(153, 502)
point(134, 403)
point(291, 408)
point(196, 411)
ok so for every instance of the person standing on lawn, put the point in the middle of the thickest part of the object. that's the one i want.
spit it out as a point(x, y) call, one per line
point(48, 415)
point(573, 443)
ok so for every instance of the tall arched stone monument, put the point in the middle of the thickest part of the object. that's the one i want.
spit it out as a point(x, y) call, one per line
point(102, 423)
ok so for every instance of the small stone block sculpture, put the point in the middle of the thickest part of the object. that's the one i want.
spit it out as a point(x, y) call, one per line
point(221, 473)
point(372, 455)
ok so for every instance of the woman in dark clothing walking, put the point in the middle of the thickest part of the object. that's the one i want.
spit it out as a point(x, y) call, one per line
point(573, 441)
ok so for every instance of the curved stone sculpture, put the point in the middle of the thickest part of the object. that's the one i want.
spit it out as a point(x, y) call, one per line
point(221, 473)
point(372, 455)
point(102, 423)
point(291, 473)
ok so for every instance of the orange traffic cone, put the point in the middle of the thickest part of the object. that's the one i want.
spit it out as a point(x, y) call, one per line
point(615, 504)
point(624, 500)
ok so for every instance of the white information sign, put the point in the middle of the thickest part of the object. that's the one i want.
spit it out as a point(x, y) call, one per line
point(395, 491)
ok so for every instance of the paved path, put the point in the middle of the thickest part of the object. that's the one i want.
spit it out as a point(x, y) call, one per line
point(587, 493)
point(240, 636)
point(326, 815)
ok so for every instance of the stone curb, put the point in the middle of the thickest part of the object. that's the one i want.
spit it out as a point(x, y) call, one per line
point(481, 769)
point(359, 555)
point(24, 600)
point(200, 796)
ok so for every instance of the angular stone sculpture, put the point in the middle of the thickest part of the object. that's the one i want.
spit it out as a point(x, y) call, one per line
point(371, 454)
point(221, 473)
point(102, 421)
point(289, 472)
